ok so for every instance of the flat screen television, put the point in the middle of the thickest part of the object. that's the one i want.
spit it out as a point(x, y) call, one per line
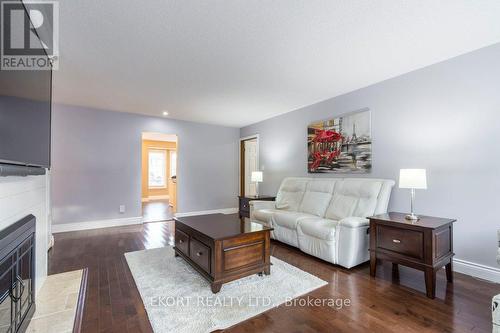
point(25, 117)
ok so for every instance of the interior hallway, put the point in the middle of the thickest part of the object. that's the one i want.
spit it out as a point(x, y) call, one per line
point(157, 210)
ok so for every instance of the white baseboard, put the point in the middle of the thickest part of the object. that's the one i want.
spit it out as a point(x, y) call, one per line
point(205, 212)
point(57, 228)
point(477, 270)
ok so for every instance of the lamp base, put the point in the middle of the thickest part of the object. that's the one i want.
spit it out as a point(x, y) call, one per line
point(412, 217)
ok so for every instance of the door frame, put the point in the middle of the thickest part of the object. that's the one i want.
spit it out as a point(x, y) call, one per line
point(242, 160)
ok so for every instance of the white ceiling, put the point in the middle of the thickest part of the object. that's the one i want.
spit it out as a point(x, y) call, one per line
point(236, 62)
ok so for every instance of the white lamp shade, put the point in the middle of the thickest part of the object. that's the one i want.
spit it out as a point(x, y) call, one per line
point(413, 178)
point(256, 176)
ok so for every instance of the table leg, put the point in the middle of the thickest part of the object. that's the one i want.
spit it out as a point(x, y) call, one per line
point(373, 264)
point(215, 287)
point(449, 271)
point(430, 282)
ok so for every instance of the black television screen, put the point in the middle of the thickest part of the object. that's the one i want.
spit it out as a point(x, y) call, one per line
point(25, 112)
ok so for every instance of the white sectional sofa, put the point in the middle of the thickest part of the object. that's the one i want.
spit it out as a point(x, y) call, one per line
point(325, 217)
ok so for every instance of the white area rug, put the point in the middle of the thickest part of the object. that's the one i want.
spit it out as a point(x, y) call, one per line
point(177, 299)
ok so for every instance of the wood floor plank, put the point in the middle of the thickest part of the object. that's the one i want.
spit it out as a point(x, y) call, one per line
point(386, 303)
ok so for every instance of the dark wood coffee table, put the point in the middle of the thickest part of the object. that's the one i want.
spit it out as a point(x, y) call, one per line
point(223, 248)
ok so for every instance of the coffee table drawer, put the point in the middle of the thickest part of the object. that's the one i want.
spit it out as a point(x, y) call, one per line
point(402, 241)
point(244, 255)
point(182, 241)
point(200, 254)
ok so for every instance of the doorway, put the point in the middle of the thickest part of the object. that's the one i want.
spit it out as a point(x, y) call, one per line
point(249, 162)
point(159, 176)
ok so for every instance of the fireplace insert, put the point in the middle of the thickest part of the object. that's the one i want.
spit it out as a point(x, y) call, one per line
point(17, 275)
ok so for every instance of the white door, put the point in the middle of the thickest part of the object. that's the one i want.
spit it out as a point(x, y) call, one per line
point(251, 164)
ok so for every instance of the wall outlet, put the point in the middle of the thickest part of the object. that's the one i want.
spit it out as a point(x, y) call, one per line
point(122, 209)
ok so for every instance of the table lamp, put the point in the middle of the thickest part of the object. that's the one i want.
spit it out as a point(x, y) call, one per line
point(256, 178)
point(414, 179)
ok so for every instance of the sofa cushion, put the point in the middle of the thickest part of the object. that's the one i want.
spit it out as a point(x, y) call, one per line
point(288, 219)
point(290, 193)
point(318, 228)
point(264, 215)
point(317, 196)
point(354, 197)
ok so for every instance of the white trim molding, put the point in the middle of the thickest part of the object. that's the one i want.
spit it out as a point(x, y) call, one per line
point(57, 228)
point(250, 137)
point(477, 270)
point(205, 212)
point(51, 241)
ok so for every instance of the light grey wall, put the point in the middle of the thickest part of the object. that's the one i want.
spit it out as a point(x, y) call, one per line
point(96, 163)
point(445, 118)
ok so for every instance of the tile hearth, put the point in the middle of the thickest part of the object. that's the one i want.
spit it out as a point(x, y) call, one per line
point(56, 303)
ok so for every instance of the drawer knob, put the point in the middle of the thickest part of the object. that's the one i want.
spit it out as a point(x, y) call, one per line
point(198, 254)
point(397, 241)
point(181, 241)
point(245, 206)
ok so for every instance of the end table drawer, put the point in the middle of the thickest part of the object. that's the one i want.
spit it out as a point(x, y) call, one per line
point(245, 205)
point(200, 254)
point(403, 241)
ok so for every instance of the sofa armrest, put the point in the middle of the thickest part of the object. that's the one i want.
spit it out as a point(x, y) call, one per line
point(262, 204)
point(354, 222)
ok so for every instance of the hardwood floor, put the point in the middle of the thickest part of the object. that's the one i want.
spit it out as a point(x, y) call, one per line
point(387, 303)
point(156, 211)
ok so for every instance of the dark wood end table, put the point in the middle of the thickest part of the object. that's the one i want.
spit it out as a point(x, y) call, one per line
point(425, 244)
point(244, 201)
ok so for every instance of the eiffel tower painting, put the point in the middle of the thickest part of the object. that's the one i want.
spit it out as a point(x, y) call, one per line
point(340, 145)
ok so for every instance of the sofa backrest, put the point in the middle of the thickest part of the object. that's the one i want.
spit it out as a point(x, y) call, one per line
point(335, 198)
point(317, 197)
point(360, 197)
point(290, 193)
